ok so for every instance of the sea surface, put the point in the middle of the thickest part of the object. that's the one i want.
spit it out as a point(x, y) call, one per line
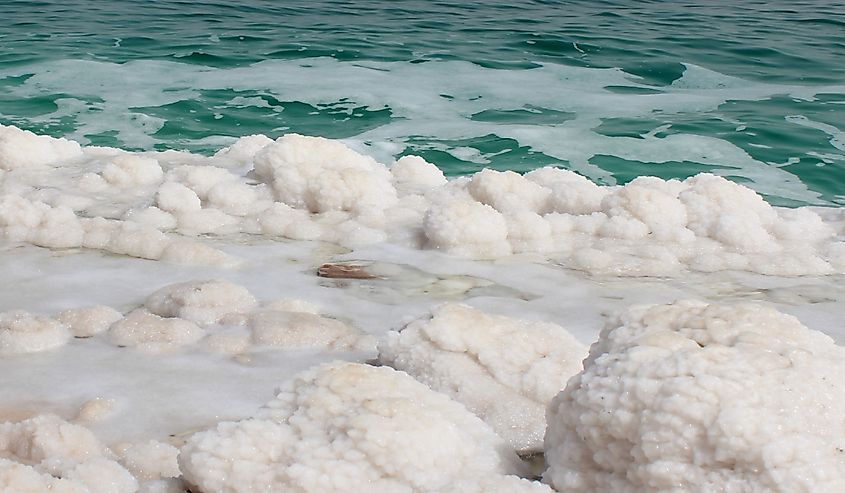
point(613, 90)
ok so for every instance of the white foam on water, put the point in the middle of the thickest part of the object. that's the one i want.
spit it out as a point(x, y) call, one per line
point(413, 94)
point(837, 136)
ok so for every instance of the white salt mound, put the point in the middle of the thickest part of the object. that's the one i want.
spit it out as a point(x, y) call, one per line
point(36, 452)
point(150, 332)
point(90, 320)
point(349, 427)
point(698, 397)
point(502, 369)
point(22, 148)
point(151, 460)
point(311, 188)
point(305, 330)
point(202, 302)
point(24, 332)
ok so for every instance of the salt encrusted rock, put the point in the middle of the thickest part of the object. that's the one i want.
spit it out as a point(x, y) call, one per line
point(128, 170)
point(322, 175)
point(305, 330)
point(90, 320)
point(176, 198)
point(36, 451)
point(413, 174)
point(349, 427)
point(151, 460)
point(508, 192)
point(292, 305)
point(24, 332)
point(243, 151)
point(504, 370)
point(328, 192)
point(22, 148)
point(148, 331)
point(95, 410)
point(467, 228)
point(698, 397)
point(203, 302)
point(200, 179)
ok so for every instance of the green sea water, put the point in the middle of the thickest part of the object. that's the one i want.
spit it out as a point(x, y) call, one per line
point(613, 90)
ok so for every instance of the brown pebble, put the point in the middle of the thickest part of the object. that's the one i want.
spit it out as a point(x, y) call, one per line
point(344, 271)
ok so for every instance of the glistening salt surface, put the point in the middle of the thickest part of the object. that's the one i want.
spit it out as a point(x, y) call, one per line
point(175, 392)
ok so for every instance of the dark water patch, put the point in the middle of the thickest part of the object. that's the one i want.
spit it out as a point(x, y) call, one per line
point(636, 90)
point(492, 152)
point(625, 170)
point(236, 113)
point(530, 115)
point(627, 127)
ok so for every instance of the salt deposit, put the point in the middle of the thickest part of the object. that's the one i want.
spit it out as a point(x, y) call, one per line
point(23, 332)
point(696, 396)
point(343, 427)
point(504, 370)
point(309, 188)
point(204, 302)
point(176, 292)
point(90, 320)
point(37, 451)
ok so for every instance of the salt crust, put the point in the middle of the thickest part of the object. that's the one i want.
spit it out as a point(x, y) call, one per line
point(202, 302)
point(504, 370)
point(222, 315)
point(24, 332)
point(310, 188)
point(698, 397)
point(350, 427)
point(90, 320)
point(45, 453)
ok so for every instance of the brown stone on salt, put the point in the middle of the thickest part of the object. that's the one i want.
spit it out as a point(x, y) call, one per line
point(344, 271)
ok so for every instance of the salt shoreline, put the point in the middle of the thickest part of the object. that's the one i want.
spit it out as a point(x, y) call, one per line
point(224, 372)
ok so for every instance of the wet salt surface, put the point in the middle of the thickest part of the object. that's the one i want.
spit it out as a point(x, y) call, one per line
point(235, 273)
point(164, 394)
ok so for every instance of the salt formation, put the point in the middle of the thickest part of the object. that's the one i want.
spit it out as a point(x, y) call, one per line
point(504, 370)
point(22, 149)
point(349, 427)
point(697, 397)
point(151, 460)
point(311, 188)
point(202, 302)
point(292, 329)
point(90, 320)
point(45, 453)
point(24, 332)
point(150, 332)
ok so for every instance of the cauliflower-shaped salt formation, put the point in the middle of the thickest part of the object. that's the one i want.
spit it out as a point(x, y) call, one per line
point(151, 460)
point(150, 332)
point(35, 451)
point(89, 320)
point(22, 148)
point(508, 192)
point(24, 332)
point(503, 369)
point(413, 174)
point(203, 302)
point(243, 150)
point(349, 427)
point(323, 175)
point(128, 170)
point(304, 330)
point(467, 228)
point(698, 397)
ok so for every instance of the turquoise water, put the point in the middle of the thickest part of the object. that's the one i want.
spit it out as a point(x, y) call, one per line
point(612, 90)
